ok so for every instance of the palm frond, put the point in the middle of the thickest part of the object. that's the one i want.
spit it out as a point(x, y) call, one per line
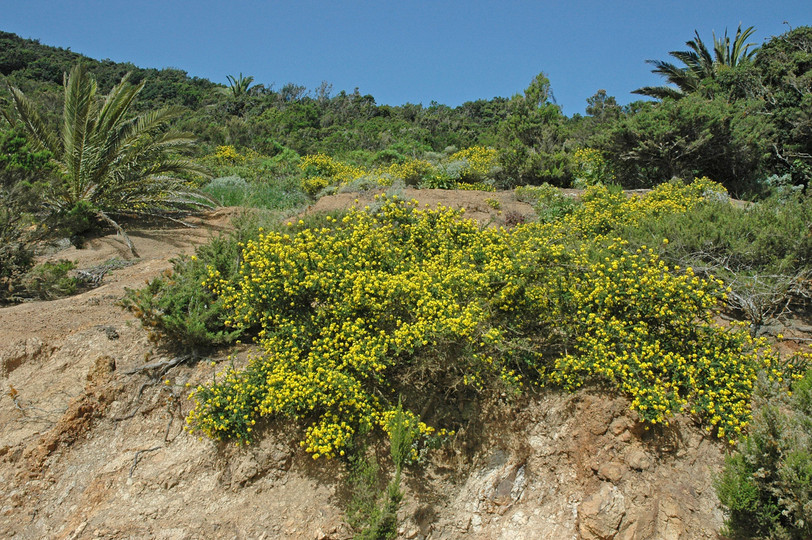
point(42, 138)
point(78, 121)
point(739, 51)
point(658, 92)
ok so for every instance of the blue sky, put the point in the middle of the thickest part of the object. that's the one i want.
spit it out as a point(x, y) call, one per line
point(407, 51)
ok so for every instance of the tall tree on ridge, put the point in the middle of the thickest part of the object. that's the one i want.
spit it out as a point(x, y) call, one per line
point(699, 63)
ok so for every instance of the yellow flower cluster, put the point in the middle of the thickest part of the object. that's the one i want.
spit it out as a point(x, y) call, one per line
point(603, 209)
point(347, 315)
point(647, 328)
point(227, 155)
point(321, 171)
point(335, 171)
point(313, 184)
point(411, 171)
point(479, 162)
point(474, 186)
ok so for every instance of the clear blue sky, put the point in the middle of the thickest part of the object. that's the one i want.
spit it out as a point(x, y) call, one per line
point(405, 51)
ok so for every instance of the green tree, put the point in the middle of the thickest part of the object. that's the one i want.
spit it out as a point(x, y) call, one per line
point(22, 176)
point(699, 64)
point(689, 137)
point(239, 86)
point(109, 162)
point(785, 68)
point(532, 137)
point(602, 107)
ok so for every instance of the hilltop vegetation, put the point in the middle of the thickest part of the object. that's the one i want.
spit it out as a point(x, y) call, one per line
point(740, 122)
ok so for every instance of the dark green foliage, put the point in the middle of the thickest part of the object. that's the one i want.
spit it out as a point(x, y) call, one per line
point(25, 59)
point(784, 65)
point(24, 174)
point(693, 136)
point(735, 117)
point(766, 484)
point(762, 251)
point(182, 313)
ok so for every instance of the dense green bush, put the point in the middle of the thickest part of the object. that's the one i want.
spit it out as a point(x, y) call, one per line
point(24, 174)
point(763, 251)
point(549, 203)
point(766, 485)
point(178, 310)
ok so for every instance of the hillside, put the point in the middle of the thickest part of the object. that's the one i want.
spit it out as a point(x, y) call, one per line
point(94, 447)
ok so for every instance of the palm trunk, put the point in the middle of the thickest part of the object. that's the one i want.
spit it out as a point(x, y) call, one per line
point(120, 231)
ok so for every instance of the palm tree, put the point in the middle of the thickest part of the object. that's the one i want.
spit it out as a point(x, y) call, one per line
point(699, 64)
point(110, 162)
point(239, 86)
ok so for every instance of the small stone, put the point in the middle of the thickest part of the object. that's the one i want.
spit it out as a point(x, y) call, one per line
point(600, 514)
point(612, 472)
point(619, 425)
point(638, 459)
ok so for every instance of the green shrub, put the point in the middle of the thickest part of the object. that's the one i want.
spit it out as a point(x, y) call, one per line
point(280, 193)
point(51, 280)
point(766, 486)
point(549, 202)
point(373, 511)
point(23, 178)
point(178, 309)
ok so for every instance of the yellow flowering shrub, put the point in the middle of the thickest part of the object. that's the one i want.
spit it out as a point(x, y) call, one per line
point(321, 171)
point(340, 309)
point(313, 184)
point(327, 167)
point(478, 161)
point(473, 186)
point(347, 314)
point(647, 329)
point(411, 171)
point(603, 209)
point(227, 155)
